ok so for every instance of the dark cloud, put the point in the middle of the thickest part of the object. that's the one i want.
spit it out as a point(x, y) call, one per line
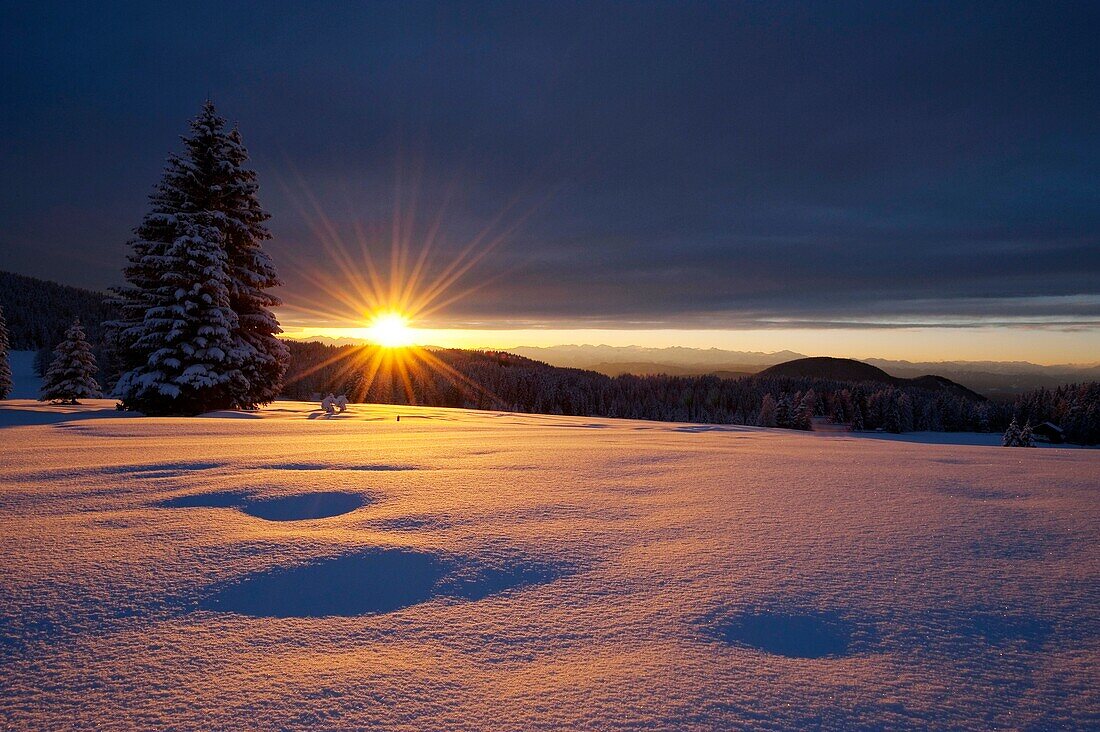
point(725, 164)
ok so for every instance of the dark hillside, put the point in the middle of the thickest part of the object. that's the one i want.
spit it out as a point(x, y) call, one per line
point(39, 311)
point(848, 369)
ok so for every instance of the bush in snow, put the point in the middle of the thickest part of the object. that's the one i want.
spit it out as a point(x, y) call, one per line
point(206, 200)
point(71, 375)
point(5, 365)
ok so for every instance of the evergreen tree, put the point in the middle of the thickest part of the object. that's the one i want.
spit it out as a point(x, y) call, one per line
point(192, 362)
point(804, 416)
point(207, 187)
point(71, 376)
point(783, 412)
point(1026, 438)
point(252, 272)
point(5, 364)
point(891, 420)
point(905, 412)
point(857, 418)
point(1012, 435)
point(767, 412)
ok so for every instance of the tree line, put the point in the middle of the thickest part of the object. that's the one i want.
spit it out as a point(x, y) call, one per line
point(504, 381)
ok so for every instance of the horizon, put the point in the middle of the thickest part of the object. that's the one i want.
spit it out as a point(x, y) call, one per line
point(806, 343)
point(811, 344)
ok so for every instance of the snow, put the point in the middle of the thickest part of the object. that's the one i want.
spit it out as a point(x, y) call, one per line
point(465, 570)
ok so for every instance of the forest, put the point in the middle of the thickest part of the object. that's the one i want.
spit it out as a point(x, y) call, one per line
point(504, 381)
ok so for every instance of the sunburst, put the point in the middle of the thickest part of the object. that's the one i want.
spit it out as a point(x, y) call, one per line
point(390, 301)
point(391, 330)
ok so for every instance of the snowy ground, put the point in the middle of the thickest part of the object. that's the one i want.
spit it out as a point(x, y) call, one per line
point(481, 570)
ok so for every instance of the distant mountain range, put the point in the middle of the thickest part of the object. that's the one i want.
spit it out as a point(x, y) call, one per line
point(39, 311)
point(993, 378)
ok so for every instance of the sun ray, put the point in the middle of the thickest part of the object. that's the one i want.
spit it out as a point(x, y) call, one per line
point(386, 299)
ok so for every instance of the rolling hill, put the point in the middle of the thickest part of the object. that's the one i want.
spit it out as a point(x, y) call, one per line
point(848, 369)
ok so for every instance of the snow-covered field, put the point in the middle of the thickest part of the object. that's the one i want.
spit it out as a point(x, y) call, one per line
point(482, 570)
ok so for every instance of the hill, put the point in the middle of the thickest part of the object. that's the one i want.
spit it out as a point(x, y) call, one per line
point(848, 369)
point(39, 311)
point(997, 379)
point(506, 382)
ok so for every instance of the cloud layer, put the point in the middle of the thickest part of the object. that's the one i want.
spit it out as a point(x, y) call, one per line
point(699, 165)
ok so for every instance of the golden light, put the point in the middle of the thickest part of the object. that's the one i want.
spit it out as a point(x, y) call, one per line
point(391, 330)
point(355, 288)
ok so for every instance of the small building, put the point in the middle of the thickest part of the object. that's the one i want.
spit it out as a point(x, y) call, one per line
point(1048, 432)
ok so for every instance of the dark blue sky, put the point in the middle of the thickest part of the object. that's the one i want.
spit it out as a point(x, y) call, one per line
point(722, 165)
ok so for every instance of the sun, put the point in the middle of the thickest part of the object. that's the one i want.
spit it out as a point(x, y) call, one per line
point(391, 330)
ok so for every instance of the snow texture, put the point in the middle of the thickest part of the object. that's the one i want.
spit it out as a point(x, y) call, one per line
point(497, 570)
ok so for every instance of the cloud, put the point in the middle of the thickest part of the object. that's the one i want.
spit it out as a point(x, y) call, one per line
point(713, 164)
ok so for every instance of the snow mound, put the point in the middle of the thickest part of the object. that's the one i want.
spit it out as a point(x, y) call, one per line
point(300, 507)
point(795, 635)
point(368, 583)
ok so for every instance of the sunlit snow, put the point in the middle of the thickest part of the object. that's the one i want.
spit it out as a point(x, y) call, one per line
point(460, 569)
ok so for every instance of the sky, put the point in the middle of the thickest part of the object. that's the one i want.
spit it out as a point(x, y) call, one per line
point(902, 180)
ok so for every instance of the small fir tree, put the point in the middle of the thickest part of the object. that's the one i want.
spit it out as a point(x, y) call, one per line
point(71, 375)
point(857, 418)
point(783, 412)
point(891, 421)
point(1026, 437)
point(767, 412)
point(5, 364)
point(838, 413)
point(1012, 435)
point(804, 415)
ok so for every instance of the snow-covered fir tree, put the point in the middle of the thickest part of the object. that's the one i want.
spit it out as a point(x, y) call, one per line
point(1026, 437)
point(5, 363)
point(803, 418)
point(1012, 435)
point(857, 418)
point(192, 361)
point(783, 412)
point(71, 375)
point(905, 412)
point(891, 421)
point(767, 412)
point(207, 187)
point(252, 272)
